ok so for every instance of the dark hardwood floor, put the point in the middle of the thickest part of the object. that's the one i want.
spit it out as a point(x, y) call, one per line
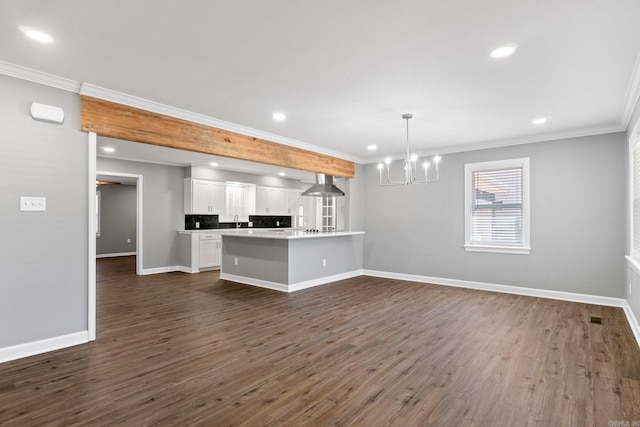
point(180, 349)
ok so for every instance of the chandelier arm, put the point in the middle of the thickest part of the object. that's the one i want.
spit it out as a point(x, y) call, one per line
point(394, 181)
point(426, 177)
point(390, 183)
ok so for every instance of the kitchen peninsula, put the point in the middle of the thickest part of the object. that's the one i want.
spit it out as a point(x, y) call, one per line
point(290, 260)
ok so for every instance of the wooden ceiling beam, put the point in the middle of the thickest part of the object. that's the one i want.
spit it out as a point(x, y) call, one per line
point(119, 121)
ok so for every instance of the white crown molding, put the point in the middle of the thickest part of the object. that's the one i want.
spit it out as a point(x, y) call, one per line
point(156, 107)
point(577, 133)
point(36, 76)
point(633, 96)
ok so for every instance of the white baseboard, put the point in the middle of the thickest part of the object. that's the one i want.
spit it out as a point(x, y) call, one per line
point(159, 270)
point(517, 290)
point(43, 346)
point(115, 255)
point(292, 287)
point(185, 269)
point(254, 282)
point(324, 280)
point(633, 321)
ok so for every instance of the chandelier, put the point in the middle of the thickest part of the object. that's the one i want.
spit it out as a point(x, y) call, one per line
point(411, 174)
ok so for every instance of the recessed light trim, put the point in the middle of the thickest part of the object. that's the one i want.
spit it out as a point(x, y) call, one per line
point(504, 51)
point(108, 149)
point(540, 120)
point(35, 34)
point(279, 116)
point(372, 147)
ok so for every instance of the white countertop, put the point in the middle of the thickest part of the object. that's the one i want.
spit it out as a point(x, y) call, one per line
point(220, 230)
point(285, 234)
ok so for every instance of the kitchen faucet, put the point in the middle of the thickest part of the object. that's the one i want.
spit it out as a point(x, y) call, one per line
point(235, 219)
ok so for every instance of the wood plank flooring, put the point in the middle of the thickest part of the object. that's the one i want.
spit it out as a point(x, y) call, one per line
point(180, 349)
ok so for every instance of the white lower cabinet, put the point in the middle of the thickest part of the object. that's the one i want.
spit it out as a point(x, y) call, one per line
point(199, 250)
point(210, 250)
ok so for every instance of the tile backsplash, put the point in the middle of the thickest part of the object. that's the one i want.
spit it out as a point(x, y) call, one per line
point(208, 222)
point(205, 222)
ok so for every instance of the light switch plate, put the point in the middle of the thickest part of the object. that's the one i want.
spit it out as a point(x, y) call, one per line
point(34, 204)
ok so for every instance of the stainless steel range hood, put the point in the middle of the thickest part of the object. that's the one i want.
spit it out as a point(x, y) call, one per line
point(323, 187)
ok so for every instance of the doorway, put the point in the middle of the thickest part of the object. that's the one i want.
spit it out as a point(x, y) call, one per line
point(127, 179)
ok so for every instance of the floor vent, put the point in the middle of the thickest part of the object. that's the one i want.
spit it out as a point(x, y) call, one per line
point(595, 319)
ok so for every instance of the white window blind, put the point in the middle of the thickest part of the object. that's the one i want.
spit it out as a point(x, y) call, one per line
point(636, 203)
point(497, 206)
point(496, 216)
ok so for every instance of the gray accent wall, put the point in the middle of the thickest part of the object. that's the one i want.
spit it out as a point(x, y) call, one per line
point(117, 219)
point(43, 255)
point(577, 216)
point(163, 208)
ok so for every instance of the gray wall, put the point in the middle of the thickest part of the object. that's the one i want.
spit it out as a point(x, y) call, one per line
point(163, 208)
point(43, 255)
point(577, 237)
point(117, 219)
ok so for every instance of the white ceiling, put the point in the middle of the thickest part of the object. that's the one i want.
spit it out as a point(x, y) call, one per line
point(345, 71)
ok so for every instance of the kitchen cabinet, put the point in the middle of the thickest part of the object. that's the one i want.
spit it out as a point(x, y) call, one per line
point(210, 250)
point(240, 202)
point(293, 199)
point(199, 250)
point(204, 197)
point(276, 201)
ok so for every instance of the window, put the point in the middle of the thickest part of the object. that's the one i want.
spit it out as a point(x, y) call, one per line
point(497, 206)
point(328, 213)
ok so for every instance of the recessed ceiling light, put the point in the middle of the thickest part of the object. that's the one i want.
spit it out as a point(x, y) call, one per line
point(108, 149)
point(34, 34)
point(539, 120)
point(282, 174)
point(372, 147)
point(504, 51)
point(279, 116)
point(214, 164)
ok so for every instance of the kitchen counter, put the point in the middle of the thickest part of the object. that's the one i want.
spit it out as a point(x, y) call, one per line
point(286, 234)
point(220, 230)
point(290, 260)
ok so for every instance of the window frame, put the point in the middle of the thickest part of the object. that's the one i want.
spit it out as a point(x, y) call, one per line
point(469, 170)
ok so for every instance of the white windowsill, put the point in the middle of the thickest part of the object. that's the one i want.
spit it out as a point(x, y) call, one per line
point(498, 249)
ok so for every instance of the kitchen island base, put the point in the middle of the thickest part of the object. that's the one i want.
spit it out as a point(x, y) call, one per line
point(277, 261)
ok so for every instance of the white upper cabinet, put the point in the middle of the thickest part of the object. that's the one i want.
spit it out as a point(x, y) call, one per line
point(204, 197)
point(240, 202)
point(293, 201)
point(276, 201)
